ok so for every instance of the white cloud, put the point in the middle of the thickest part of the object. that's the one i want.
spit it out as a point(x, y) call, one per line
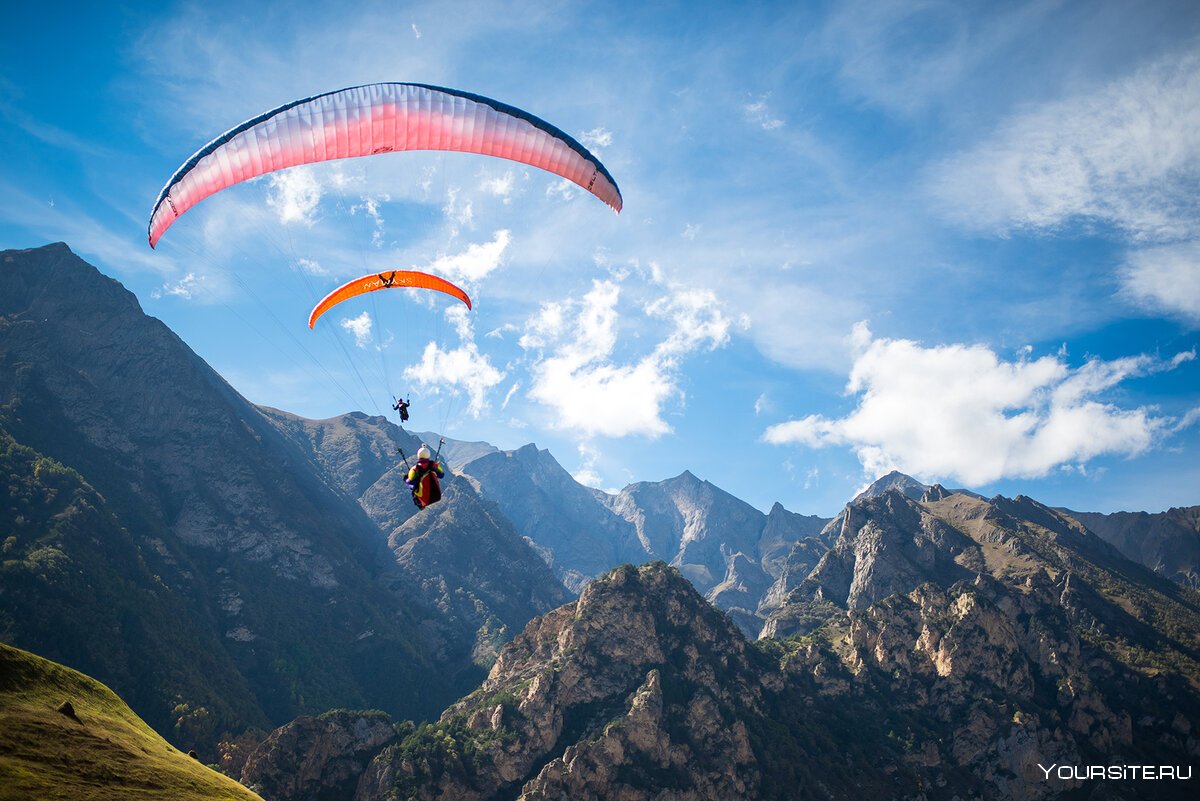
point(760, 114)
point(460, 213)
point(1126, 155)
point(1166, 278)
point(696, 321)
point(562, 189)
point(586, 474)
point(690, 230)
point(416, 31)
point(459, 369)
point(183, 288)
point(596, 138)
point(360, 328)
point(462, 369)
point(294, 194)
point(509, 395)
point(476, 262)
point(309, 267)
point(370, 207)
point(501, 187)
point(579, 381)
point(960, 412)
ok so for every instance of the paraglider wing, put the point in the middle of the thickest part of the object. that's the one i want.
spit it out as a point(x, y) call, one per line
point(371, 119)
point(390, 280)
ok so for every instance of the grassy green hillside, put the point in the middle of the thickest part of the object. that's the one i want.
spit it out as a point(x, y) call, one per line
point(105, 752)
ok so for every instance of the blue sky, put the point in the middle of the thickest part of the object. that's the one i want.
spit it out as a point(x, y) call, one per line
point(957, 239)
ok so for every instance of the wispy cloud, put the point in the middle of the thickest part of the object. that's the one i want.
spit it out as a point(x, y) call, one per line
point(370, 207)
point(1166, 278)
point(295, 195)
point(502, 187)
point(596, 138)
point(309, 267)
point(184, 288)
point(758, 113)
point(1125, 155)
point(961, 412)
point(586, 473)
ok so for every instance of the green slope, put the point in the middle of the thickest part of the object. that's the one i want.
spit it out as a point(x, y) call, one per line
point(106, 752)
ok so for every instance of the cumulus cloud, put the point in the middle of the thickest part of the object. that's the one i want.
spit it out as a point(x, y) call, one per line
point(1166, 278)
point(295, 195)
point(577, 378)
point(462, 369)
point(360, 328)
point(476, 262)
point(1125, 155)
point(961, 412)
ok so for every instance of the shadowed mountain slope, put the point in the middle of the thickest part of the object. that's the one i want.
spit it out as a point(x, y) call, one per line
point(248, 549)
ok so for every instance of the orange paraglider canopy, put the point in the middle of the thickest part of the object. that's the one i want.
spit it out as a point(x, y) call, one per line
point(391, 280)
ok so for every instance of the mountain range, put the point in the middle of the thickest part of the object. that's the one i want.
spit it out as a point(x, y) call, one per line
point(230, 569)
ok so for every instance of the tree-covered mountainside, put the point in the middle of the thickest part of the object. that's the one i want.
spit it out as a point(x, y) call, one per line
point(67, 737)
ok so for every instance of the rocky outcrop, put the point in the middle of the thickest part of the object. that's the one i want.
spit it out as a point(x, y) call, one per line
point(636, 689)
point(318, 758)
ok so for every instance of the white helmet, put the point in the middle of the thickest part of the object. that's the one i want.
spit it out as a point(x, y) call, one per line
point(423, 453)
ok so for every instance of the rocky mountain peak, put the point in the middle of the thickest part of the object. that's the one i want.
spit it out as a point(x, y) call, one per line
point(894, 480)
point(580, 704)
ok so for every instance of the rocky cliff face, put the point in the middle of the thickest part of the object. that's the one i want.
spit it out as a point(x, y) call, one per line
point(692, 525)
point(318, 758)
